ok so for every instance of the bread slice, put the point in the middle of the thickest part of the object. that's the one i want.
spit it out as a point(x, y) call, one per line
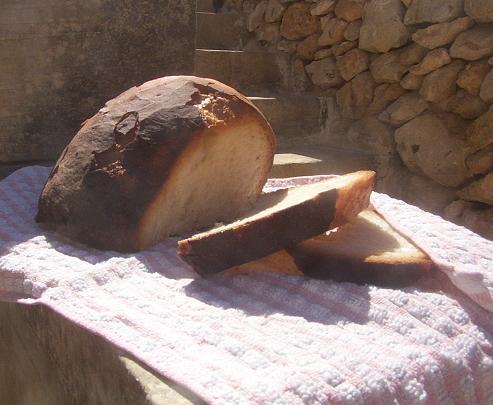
point(281, 219)
point(365, 250)
point(172, 156)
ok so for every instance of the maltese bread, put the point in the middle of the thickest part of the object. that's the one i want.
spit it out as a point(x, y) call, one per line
point(172, 156)
point(365, 250)
point(280, 220)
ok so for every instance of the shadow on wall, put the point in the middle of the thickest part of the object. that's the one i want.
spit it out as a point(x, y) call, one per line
point(62, 61)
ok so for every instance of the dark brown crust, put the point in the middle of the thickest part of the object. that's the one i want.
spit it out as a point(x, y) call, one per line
point(266, 235)
point(356, 271)
point(111, 171)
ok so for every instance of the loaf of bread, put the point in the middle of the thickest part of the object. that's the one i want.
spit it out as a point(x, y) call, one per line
point(280, 220)
point(365, 250)
point(174, 155)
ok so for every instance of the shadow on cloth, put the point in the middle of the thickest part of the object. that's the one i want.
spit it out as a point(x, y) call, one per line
point(265, 294)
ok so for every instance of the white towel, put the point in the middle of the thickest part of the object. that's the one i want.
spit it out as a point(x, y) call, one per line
point(270, 338)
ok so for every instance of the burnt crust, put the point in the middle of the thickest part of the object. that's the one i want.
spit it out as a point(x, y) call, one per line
point(221, 249)
point(115, 165)
point(357, 271)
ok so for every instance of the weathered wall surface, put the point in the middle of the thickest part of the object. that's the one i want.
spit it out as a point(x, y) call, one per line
point(413, 83)
point(62, 59)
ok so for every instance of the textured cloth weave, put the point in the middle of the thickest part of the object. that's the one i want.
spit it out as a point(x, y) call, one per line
point(270, 338)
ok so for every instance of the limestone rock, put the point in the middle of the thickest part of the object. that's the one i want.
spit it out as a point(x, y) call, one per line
point(480, 190)
point(386, 68)
point(464, 104)
point(333, 32)
point(301, 82)
point(322, 53)
point(416, 189)
point(267, 33)
point(322, 7)
point(352, 30)
point(480, 220)
point(353, 62)
point(433, 11)
point(404, 109)
point(412, 54)
point(298, 23)
point(440, 84)
point(355, 96)
point(471, 78)
point(371, 135)
point(346, 46)
point(384, 95)
point(286, 46)
point(382, 27)
point(480, 132)
point(274, 11)
point(253, 45)
point(441, 34)
point(473, 44)
point(480, 10)
point(307, 47)
point(256, 18)
point(349, 10)
point(474, 216)
point(433, 146)
point(454, 211)
point(426, 194)
point(325, 19)
point(486, 90)
point(324, 73)
point(411, 82)
point(481, 162)
point(434, 60)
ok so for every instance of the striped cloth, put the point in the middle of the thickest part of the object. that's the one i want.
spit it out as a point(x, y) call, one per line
point(270, 338)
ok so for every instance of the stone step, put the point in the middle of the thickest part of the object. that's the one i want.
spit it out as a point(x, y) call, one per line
point(294, 117)
point(318, 159)
point(258, 73)
point(206, 6)
point(219, 31)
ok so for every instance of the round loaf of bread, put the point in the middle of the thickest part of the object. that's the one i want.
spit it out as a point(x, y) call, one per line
point(172, 156)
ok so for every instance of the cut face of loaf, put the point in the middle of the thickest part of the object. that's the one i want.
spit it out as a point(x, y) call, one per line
point(174, 155)
point(281, 219)
point(365, 250)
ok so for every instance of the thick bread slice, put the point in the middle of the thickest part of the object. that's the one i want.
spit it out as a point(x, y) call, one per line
point(365, 250)
point(174, 155)
point(280, 220)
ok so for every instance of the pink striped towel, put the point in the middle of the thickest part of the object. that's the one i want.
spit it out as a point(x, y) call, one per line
point(270, 338)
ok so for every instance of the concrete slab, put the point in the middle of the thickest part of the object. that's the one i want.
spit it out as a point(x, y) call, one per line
point(317, 160)
point(293, 118)
point(258, 73)
point(219, 31)
point(45, 359)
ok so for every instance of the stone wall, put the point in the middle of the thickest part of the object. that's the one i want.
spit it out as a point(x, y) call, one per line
point(412, 81)
point(62, 59)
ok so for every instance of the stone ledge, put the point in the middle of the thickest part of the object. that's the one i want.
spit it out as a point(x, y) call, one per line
point(319, 160)
point(46, 359)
